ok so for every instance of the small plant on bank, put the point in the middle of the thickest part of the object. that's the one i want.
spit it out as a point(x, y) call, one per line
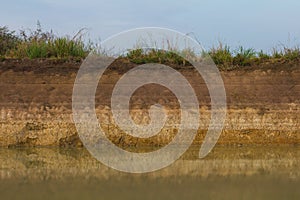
point(263, 56)
point(292, 54)
point(221, 55)
point(142, 56)
point(244, 57)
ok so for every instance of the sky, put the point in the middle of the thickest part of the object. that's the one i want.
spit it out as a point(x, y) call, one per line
point(259, 24)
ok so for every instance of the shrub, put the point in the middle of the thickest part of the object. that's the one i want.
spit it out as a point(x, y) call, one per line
point(8, 40)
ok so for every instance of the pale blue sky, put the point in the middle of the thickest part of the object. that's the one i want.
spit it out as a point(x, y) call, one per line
point(261, 24)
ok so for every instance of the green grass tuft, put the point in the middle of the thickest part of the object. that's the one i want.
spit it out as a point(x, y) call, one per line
point(221, 55)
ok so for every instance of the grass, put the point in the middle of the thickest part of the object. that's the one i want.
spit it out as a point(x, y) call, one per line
point(44, 44)
point(141, 56)
point(40, 44)
point(223, 56)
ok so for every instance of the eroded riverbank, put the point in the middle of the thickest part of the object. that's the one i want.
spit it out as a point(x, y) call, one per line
point(36, 105)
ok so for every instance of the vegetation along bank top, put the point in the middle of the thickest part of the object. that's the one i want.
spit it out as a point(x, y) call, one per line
point(39, 44)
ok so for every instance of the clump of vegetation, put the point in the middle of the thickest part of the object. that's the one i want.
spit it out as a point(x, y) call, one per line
point(221, 55)
point(142, 56)
point(226, 58)
point(8, 40)
point(288, 54)
point(244, 57)
point(41, 44)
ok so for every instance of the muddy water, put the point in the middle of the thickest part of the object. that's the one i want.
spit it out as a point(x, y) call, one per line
point(229, 172)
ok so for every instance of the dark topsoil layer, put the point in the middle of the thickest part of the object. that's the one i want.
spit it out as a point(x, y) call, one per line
point(72, 65)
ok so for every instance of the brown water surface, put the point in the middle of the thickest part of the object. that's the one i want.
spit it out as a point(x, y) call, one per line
point(247, 172)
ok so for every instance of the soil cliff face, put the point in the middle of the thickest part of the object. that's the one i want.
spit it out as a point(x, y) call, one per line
point(36, 104)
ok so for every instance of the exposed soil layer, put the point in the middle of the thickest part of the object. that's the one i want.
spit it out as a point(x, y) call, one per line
point(36, 104)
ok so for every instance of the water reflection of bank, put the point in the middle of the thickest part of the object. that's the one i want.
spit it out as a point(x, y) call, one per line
point(224, 161)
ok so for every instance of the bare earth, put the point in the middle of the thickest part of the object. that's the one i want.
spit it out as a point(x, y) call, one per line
point(36, 104)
